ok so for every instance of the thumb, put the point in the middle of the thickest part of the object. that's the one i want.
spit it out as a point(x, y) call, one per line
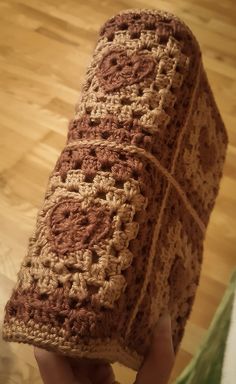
point(158, 364)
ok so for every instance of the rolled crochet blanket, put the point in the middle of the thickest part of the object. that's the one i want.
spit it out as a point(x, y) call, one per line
point(119, 237)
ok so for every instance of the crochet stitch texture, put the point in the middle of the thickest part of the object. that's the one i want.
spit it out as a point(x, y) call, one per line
point(119, 237)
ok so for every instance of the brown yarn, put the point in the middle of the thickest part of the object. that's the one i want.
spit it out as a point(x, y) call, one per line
point(72, 227)
point(117, 69)
point(119, 237)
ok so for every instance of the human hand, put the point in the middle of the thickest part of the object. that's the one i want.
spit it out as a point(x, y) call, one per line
point(156, 368)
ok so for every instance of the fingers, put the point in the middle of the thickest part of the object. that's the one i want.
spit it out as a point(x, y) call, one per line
point(104, 375)
point(54, 368)
point(62, 370)
point(96, 371)
point(160, 360)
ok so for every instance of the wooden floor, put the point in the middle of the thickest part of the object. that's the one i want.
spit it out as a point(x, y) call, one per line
point(45, 47)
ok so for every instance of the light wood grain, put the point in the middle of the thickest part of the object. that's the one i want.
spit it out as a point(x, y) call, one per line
point(45, 47)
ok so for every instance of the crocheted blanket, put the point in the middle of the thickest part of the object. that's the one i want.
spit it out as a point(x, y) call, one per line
point(119, 237)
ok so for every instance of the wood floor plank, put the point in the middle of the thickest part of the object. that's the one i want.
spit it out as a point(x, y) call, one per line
point(45, 47)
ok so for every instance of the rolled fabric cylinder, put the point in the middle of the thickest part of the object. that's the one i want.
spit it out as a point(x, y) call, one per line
point(119, 238)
